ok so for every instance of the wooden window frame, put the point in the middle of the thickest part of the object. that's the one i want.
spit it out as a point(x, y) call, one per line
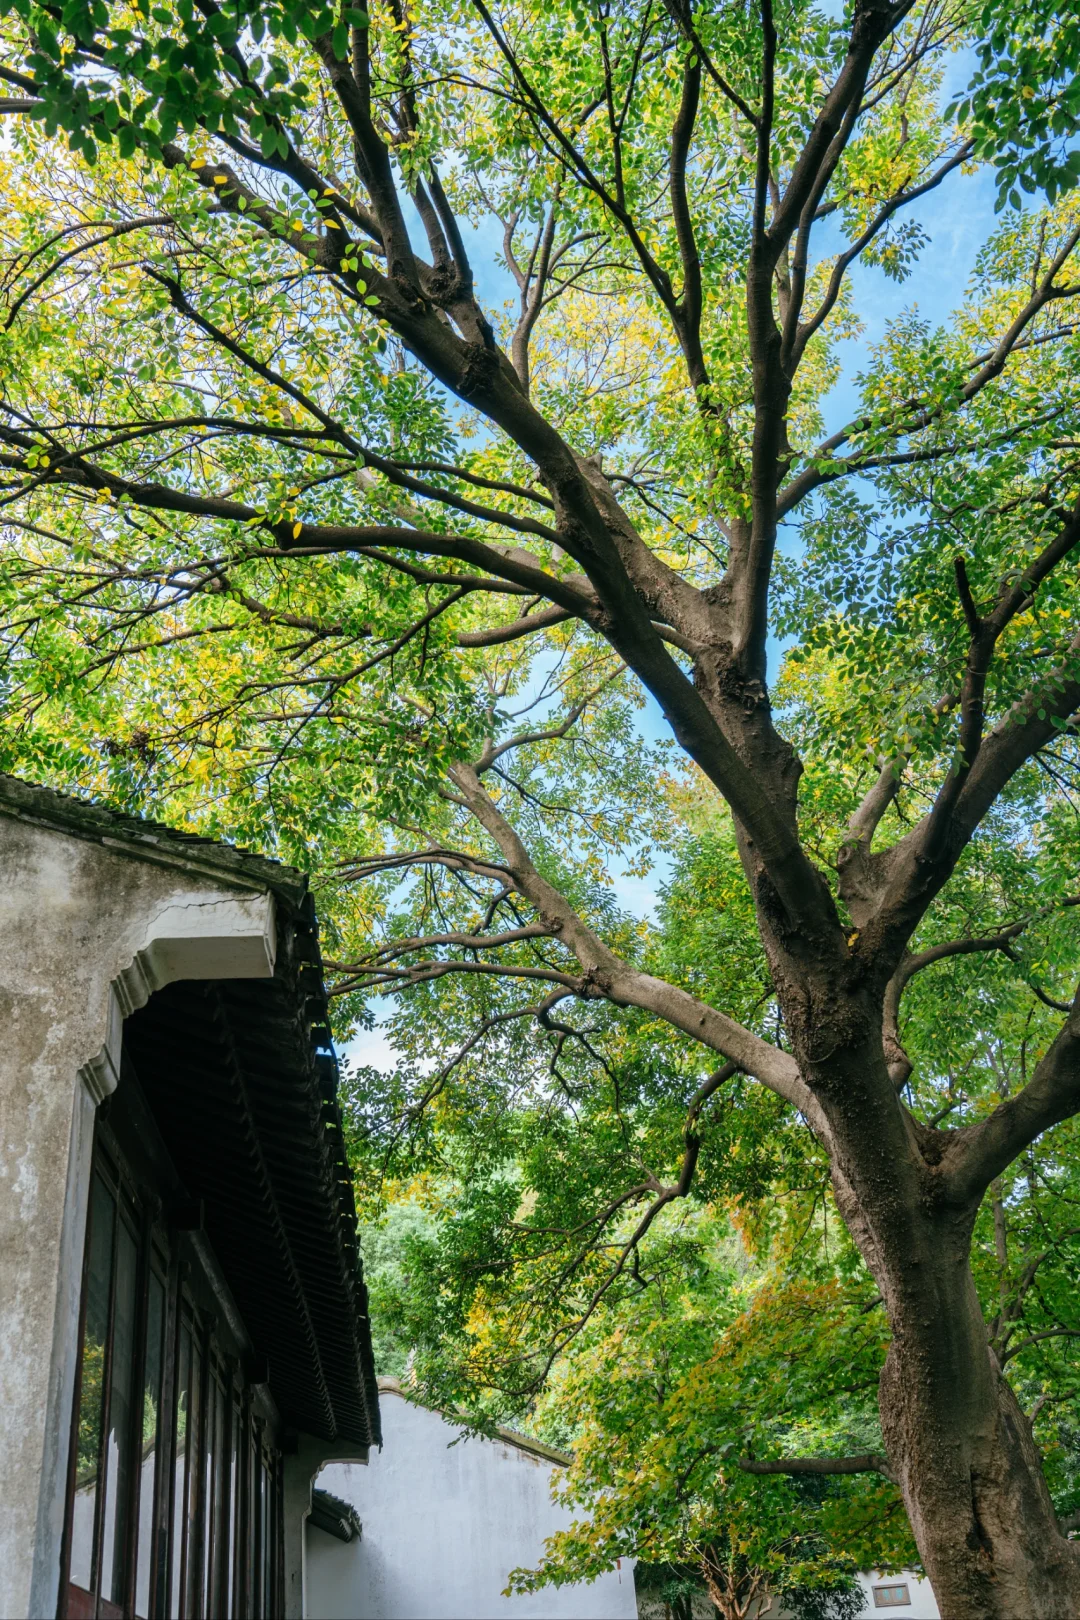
point(883, 1599)
point(230, 1543)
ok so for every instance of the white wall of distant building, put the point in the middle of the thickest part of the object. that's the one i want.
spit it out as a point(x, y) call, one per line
point(921, 1603)
point(443, 1526)
point(906, 1596)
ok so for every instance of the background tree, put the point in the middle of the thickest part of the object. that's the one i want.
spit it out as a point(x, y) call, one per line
point(668, 1409)
point(740, 1340)
point(261, 573)
point(709, 1351)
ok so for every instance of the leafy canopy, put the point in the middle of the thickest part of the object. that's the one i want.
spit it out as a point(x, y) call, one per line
point(289, 556)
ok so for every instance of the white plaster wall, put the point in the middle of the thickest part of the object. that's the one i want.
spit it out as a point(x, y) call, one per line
point(443, 1527)
point(88, 933)
point(301, 1467)
point(923, 1604)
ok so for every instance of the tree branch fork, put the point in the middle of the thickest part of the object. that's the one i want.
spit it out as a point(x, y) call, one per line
point(700, 653)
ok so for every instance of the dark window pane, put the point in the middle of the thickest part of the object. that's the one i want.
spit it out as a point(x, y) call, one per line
point(119, 1436)
point(254, 1524)
point(183, 1399)
point(151, 1413)
point(211, 1493)
point(267, 1538)
point(193, 1607)
point(91, 1383)
point(218, 1564)
point(175, 1501)
point(234, 1509)
point(249, 1522)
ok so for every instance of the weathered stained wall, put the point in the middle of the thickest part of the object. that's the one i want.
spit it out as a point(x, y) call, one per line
point(443, 1527)
point(88, 931)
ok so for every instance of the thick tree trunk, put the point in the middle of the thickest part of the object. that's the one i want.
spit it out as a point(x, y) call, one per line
point(963, 1452)
point(960, 1446)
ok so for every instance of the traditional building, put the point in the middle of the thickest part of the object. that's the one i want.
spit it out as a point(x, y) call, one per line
point(184, 1336)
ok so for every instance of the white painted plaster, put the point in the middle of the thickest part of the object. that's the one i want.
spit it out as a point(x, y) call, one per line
point(88, 933)
point(300, 1470)
point(444, 1525)
point(922, 1605)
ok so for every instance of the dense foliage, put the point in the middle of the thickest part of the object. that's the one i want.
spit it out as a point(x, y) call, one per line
point(744, 1325)
point(458, 575)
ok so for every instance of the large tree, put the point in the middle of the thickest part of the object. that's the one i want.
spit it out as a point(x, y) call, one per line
point(203, 443)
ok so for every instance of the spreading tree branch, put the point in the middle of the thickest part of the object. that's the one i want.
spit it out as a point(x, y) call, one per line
point(870, 1463)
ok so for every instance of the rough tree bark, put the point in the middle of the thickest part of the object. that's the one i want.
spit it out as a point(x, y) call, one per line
point(959, 1446)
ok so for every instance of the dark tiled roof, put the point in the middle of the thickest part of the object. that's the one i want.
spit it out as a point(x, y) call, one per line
point(336, 1517)
point(244, 1093)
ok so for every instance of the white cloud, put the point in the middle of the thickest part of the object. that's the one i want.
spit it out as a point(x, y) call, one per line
point(371, 1049)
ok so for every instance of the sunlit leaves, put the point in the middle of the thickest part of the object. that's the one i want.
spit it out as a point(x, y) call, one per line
point(665, 1403)
point(199, 380)
point(1023, 102)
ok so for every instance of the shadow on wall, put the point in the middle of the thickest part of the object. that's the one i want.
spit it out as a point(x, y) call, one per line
point(443, 1524)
